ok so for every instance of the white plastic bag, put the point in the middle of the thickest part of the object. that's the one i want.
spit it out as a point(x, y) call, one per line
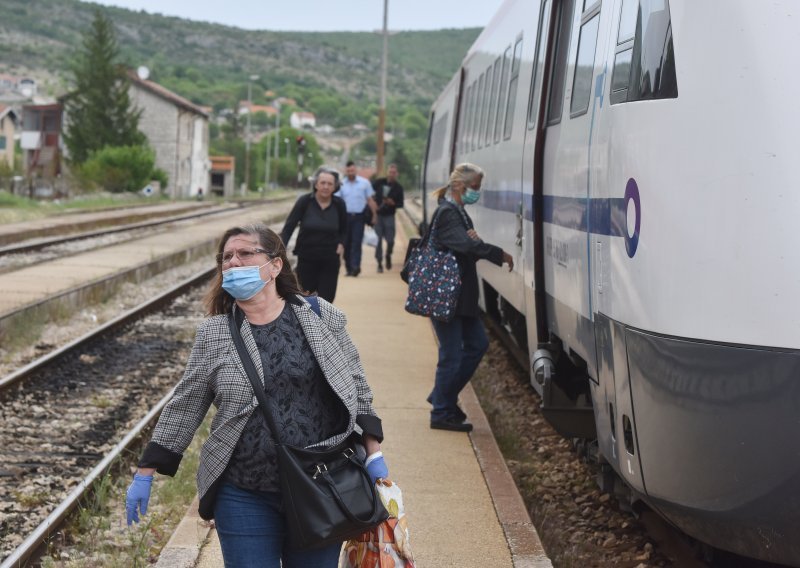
point(370, 237)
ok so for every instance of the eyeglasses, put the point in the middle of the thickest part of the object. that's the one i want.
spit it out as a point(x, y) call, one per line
point(244, 254)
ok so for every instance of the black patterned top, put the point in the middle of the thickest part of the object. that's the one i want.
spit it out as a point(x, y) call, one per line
point(304, 406)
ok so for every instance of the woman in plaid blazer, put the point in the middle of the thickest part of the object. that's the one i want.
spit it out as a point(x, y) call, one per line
point(312, 375)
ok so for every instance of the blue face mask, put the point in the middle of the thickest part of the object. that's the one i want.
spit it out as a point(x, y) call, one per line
point(471, 196)
point(244, 282)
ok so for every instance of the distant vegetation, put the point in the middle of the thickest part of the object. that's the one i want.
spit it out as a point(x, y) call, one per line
point(334, 75)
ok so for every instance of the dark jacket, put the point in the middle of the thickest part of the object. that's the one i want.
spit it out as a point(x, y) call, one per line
point(318, 236)
point(450, 231)
point(395, 193)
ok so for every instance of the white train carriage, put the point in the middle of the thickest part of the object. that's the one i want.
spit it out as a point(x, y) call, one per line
point(640, 168)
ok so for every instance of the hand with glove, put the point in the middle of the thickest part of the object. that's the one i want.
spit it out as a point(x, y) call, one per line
point(137, 497)
point(376, 467)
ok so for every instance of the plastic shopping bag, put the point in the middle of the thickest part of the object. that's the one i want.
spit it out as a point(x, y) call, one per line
point(387, 545)
point(370, 237)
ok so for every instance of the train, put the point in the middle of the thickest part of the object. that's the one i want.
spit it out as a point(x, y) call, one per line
point(640, 168)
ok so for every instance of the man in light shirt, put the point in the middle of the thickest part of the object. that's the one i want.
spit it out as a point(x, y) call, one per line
point(357, 193)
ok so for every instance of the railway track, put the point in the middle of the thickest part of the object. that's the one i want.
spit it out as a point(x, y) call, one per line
point(70, 414)
point(37, 250)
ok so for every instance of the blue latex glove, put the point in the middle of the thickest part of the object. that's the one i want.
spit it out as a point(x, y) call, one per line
point(376, 467)
point(137, 497)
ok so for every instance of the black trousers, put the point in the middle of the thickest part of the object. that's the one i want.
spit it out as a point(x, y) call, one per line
point(319, 275)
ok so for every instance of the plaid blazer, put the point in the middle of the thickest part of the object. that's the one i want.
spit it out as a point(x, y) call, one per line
point(215, 375)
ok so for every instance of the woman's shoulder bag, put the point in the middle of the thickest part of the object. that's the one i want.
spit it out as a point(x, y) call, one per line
point(327, 493)
point(434, 278)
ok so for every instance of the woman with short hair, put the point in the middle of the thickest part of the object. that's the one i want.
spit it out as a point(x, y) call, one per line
point(320, 241)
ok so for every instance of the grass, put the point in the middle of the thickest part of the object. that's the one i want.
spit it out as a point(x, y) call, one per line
point(98, 535)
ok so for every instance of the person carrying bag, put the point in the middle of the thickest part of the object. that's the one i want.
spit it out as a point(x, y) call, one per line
point(316, 405)
point(462, 338)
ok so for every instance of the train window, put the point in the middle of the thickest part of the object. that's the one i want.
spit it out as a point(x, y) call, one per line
point(644, 66)
point(512, 89)
point(493, 101)
point(501, 97)
point(483, 140)
point(476, 134)
point(621, 75)
point(471, 116)
point(438, 138)
point(464, 120)
point(538, 65)
point(584, 67)
point(627, 20)
point(559, 72)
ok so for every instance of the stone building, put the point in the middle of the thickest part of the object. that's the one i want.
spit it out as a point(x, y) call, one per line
point(8, 125)
point(177, 130)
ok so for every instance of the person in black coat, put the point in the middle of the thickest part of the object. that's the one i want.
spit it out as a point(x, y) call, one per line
point(323, 228)
point(462, 340)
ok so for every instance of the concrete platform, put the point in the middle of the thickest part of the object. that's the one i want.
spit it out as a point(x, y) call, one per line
point(464, 509)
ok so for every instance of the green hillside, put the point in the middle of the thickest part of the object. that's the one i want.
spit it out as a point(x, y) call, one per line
point(334, 75)
point(205, 62)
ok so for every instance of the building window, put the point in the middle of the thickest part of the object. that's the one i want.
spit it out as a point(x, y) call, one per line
point(2, 142)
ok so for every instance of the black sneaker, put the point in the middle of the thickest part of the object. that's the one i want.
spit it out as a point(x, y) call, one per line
point(459, 414)
point(356, 272)
point(380, 269)
point(452, 425)
point(388, 262)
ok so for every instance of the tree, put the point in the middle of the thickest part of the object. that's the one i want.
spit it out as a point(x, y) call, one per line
point(99, 109)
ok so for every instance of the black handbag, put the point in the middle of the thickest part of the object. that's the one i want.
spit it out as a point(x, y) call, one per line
point(327, 494)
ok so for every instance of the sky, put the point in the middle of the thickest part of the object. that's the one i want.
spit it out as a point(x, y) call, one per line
point(323, 15)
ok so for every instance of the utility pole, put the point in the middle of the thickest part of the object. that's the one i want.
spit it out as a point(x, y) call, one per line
point(382, 111)
point(266, 167)
point(247, 134)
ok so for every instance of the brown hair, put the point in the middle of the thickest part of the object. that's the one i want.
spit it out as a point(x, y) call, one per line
point(464, 173)
point(218, 301)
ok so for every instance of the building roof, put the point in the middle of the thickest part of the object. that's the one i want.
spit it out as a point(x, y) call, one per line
point(306, 115)
point(6, 110)
point(166, 94)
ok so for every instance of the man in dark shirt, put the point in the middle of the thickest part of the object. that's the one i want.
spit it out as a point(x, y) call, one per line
point(389, 198)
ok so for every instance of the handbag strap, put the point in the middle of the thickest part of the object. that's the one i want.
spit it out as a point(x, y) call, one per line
point(429, 234)
point(258, 389)
point(235, 322)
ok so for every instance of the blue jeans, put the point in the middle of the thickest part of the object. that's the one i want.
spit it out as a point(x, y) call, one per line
point(353, 241)
point(252, 534)
point(462, 344)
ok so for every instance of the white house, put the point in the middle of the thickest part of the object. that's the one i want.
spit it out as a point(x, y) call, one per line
point(300, 120)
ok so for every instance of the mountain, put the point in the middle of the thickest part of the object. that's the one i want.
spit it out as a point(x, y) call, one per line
point(210, 63)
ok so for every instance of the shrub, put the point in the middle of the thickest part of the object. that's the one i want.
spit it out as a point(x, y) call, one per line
point(120, 168)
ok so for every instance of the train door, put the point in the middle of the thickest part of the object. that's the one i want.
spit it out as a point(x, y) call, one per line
point(566, 178)
point(531, 222)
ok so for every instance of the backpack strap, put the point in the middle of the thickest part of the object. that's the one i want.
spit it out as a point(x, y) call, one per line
point(314, 301)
